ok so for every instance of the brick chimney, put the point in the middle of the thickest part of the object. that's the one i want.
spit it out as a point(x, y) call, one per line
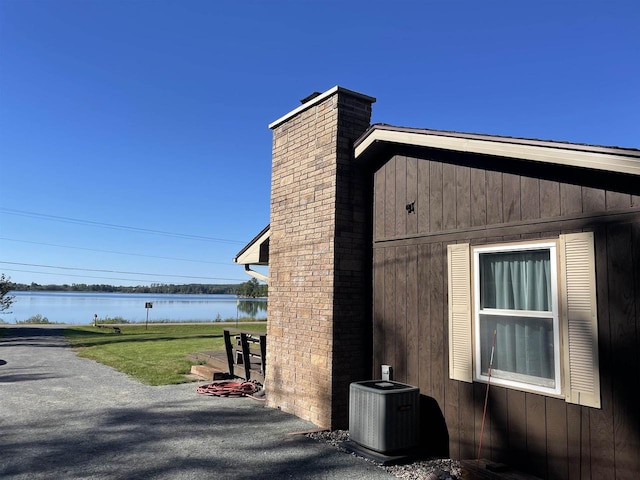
point(319, 258)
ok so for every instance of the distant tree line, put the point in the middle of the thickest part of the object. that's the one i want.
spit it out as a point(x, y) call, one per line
point(250, 288)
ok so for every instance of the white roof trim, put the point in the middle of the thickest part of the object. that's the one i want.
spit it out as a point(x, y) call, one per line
point(626, 161)
point(315, 101)
point(251, 256)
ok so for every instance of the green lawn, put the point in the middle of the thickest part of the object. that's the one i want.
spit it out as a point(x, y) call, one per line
point(155, 356)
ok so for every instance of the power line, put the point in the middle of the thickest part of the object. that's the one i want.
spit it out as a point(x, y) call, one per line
point(81, 276)
point(56, 218)
point(115, 271)
point(112, 251)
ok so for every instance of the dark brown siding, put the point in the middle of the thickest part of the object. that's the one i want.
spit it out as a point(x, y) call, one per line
point(465, 200)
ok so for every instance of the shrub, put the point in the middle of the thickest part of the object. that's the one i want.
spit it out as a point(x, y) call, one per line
point(109, 320)
point(35, 319)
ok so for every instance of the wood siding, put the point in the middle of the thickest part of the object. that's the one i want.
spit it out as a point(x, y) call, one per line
point(461, 201)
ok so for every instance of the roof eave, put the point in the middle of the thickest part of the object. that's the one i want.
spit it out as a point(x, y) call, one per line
point(252, 248)
point(611, 159)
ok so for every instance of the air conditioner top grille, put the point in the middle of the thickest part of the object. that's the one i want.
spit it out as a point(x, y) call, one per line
point(383, 386)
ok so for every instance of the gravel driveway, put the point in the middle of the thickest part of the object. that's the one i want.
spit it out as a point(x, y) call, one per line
point(62, 416)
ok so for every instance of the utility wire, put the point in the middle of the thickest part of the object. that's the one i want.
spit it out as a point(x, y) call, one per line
point(83, 276)
point(115, 271)
point(56, 218)
point(112, 251)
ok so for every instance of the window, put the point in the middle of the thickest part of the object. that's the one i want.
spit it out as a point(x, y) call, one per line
point(515, 301)
point(536, 300)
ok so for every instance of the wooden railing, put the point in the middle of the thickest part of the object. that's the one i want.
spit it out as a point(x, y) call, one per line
point(243, 348)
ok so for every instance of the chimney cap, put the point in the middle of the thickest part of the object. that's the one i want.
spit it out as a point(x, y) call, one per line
point(317, 99)
point(310, 97)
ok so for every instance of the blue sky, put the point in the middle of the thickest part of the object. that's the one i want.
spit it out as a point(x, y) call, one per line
point(134, 145)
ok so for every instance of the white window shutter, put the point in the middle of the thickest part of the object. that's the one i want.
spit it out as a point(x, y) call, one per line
point(580, 322)
point(460, 346)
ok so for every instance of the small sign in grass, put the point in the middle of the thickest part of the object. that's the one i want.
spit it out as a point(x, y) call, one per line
point(155, 356)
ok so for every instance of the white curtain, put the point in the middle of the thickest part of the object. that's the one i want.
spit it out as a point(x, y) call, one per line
point(517, 281)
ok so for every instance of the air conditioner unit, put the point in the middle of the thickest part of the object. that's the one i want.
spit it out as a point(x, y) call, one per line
point(384, 415)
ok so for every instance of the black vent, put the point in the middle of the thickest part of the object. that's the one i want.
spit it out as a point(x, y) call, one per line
point(309, 97)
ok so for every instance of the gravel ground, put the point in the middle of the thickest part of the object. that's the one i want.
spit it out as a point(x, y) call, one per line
point(432, 469)
point(65, 417)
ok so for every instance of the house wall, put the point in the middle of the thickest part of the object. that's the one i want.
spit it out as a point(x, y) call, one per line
point(319, 272)
point(465, 198)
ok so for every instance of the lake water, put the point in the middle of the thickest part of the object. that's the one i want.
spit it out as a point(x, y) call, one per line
point(79, 308)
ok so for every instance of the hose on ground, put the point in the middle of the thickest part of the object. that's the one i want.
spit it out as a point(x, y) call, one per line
point(229, 389)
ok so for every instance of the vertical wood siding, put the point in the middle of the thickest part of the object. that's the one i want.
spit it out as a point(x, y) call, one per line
point(460, 203)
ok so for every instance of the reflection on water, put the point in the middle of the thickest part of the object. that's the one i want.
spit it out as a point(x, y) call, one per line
point(252, 308)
